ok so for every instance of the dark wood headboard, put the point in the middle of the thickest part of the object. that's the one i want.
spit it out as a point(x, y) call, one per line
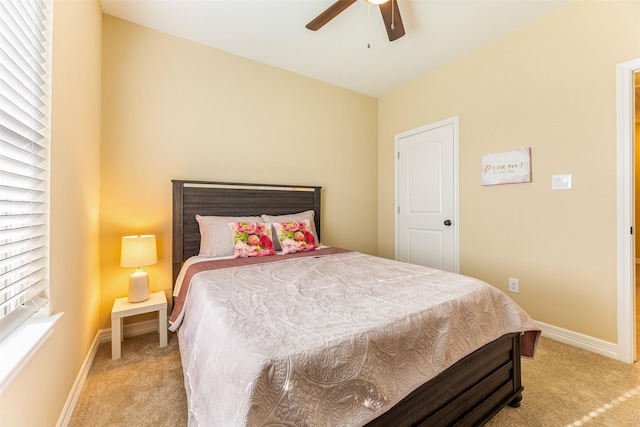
point(231, 199)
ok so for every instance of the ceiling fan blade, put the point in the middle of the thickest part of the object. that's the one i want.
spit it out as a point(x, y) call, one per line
point(331, 12)
point(392, 19)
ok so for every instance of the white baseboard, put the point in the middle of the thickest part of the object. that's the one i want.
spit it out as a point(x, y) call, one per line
point(70, 405)
point(131, 330)
point(582, 341)
point(102, 337)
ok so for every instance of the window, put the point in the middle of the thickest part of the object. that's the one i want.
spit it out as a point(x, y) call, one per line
point(25, 69)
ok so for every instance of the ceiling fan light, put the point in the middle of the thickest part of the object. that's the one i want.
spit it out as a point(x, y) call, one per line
point(376, 1)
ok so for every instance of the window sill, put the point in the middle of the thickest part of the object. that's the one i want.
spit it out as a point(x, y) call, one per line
point(21, 345)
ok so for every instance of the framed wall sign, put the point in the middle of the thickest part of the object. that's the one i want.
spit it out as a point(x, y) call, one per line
point(509, 167)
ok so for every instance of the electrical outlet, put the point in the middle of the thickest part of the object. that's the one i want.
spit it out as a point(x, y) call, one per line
point(513, 285)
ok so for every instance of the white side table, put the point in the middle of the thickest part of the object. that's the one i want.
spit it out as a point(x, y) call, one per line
point(123, 308)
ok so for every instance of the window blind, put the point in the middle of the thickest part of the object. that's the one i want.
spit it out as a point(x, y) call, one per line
point(24, 158)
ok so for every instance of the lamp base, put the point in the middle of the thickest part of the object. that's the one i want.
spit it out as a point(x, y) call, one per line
point(139, 286)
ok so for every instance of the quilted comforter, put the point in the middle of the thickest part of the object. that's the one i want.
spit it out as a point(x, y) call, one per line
point(326, 338)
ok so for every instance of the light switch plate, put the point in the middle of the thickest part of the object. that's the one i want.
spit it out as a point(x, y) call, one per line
point(561, 182)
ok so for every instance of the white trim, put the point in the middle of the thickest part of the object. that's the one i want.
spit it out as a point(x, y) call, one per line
point(456, 189)
point(72, 399)
point(132, 330)
point(626, 209)
point(576, 339)
point(23, 343)
point(456, 182)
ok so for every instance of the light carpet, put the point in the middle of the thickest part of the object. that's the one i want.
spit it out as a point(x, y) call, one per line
point(564, 386)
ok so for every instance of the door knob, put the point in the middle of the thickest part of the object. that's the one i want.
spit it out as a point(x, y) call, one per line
point(447, 222)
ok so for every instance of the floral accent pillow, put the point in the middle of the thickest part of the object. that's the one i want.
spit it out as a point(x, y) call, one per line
point(295, 236)
point(251, 239)
point(301, 216)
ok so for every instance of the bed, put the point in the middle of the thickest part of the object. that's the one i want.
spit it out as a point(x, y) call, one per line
point(342, 363)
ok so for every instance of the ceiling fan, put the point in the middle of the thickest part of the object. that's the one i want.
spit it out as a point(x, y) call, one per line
point(388, 8)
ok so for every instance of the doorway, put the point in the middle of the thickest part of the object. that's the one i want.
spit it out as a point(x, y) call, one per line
point(626, 130)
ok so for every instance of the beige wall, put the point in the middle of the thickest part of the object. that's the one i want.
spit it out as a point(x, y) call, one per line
point(75, 165)
point(174, 109)
point(551, 86)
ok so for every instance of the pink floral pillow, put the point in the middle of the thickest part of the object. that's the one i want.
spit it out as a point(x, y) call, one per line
point(251, 239)
point(295, 236)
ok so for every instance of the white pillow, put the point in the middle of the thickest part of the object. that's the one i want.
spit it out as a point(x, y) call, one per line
point(216, 238)
point(301, 216)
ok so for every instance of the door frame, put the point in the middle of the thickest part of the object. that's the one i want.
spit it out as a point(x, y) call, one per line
point(456, 182)
point(625, 79)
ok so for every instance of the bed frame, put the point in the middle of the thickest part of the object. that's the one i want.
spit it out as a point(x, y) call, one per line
point(469, 393)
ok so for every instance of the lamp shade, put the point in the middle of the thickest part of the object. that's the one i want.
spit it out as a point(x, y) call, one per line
point(138, 251)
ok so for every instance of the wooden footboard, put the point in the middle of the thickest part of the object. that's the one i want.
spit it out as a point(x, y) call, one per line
point(467, 394)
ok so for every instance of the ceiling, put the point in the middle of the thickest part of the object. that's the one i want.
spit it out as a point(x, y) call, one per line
point(273, 32)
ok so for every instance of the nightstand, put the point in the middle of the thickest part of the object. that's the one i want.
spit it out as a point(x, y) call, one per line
point(123, 308)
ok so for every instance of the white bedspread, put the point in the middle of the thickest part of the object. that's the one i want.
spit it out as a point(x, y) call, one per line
point(328, 340)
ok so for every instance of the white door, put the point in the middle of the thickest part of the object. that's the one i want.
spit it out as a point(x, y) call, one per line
point(427, 196)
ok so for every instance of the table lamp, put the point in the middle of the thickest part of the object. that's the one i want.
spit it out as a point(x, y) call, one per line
point(137, 252)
